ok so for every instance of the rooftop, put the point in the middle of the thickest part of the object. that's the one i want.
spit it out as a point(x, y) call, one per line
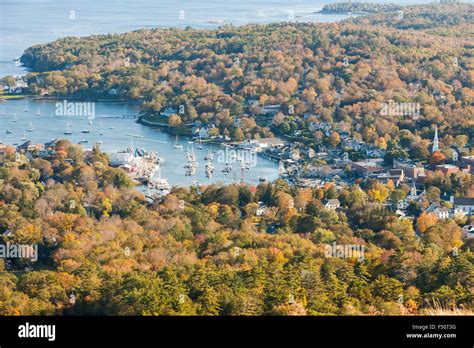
point(463, 201)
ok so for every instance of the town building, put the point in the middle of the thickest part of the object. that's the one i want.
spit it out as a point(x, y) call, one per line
point(397, 176)
point(415, 195)
point(167, 112)
point(262, 144)
point(409, 169)
point(437, 210)
point(463, 203)
point(331, 204)
point(469, 231)
point(447, 168)
point(367, 168)
point(467, 163)
point(271, 109)
point(261, 210)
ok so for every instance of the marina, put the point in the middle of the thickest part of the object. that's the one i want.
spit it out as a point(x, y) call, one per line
point(182, 161)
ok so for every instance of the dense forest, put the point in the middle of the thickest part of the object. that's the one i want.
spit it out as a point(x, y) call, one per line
point(105, 249)
point(340, 73)
point(346, 7)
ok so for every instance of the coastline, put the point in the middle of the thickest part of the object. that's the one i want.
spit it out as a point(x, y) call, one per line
point(218, 24)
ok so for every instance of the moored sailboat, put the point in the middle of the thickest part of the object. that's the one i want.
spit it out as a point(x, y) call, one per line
point(177, 145)
point(31, 128)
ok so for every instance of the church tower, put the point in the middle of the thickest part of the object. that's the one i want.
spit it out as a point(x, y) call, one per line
point(435, 140)
point(413, 192)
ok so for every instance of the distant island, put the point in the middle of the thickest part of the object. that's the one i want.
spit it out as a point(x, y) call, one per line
point(358, 7)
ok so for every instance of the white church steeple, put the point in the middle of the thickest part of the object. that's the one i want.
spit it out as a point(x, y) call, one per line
point(435, 140)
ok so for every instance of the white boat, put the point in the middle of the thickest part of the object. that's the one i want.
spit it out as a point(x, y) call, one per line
point(199, 144)
point(85, 131)
point(177, 145)
point(23, 138)
point(31, 128)
point(8, 131)
point(209, 156)
point(190, 170)
point(14, 118)
point(83, 141)
point(281, 169)
point(134, 135)
point(227, 169)
point(38, 112)
point(158, 186)
point(68, 129)
point(191, 165)
point(2, 111)
point(209, 169)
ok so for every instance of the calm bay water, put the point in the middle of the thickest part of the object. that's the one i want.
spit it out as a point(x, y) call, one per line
point(111, 129)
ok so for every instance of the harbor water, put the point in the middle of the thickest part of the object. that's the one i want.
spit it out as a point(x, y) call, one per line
point(115, 130)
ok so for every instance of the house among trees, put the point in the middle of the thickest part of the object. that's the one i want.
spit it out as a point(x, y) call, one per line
point(271, 109)
point(439, 211)
point(262, 208)
point(469, 231)
point(167, 112)
point(466, 204)
point(331, 204)
point(200, 132)
point(467, 162)
point(7, 234)
point(413, 196)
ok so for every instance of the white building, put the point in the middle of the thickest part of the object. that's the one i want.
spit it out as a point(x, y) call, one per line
point(463, 203)
point(331, 204)
point(168, 112)
point(271, 109)
point(469, 230)
point(117, 159)
point(439, 211)
point(435, 140)
point(262, 208)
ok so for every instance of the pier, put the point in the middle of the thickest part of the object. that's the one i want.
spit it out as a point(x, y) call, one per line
point(125, 117)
